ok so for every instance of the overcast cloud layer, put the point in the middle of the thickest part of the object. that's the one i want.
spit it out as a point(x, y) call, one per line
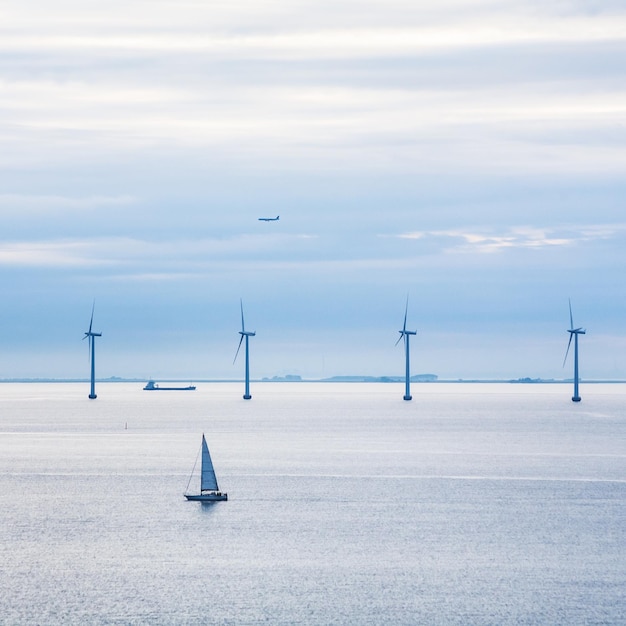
point(470, 154)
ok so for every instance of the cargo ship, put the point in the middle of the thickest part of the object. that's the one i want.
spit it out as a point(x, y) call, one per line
point(152, 386)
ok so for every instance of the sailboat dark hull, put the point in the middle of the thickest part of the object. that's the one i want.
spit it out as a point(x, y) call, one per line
point(207, 497)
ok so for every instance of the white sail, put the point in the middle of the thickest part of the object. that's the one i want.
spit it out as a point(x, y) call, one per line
point(208, 481)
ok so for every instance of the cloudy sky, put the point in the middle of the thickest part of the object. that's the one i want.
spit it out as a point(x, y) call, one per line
point(470, 154)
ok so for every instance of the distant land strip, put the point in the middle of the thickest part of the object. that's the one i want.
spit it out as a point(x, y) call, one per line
point(294, 378)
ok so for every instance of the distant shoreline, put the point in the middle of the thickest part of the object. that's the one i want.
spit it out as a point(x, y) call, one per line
point(334, 379)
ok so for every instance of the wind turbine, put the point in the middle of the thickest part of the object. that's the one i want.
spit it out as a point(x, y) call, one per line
point(92, 353)
point(405, 334)
point(245, 333)
point(573, 332)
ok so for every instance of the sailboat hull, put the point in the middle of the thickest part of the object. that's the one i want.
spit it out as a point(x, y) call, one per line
point(207, 497)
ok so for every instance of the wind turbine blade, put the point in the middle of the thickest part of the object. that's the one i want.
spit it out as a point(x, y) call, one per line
point(242, 323)
point(571, 318)
point(400, 337)
point(238, 348)
point(93, 306)
point(406, 311)
point(569, 343)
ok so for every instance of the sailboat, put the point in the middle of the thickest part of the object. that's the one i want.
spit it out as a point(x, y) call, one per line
point(209, 491)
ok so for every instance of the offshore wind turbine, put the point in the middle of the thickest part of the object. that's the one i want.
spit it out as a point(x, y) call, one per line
point(573, 333)
point(92, 353)
point(405, 334)
point(245, 334)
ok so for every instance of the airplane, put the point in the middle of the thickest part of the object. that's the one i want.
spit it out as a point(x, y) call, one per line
point(269, 219)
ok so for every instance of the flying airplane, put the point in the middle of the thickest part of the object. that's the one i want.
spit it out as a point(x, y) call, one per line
point(269, 219)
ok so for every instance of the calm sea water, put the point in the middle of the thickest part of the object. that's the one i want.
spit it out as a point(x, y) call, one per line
point(472, 504)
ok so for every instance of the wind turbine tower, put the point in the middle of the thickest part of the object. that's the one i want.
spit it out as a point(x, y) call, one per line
point(92, 353)
point(405, 334)
point(245, 334)
point(573, 333)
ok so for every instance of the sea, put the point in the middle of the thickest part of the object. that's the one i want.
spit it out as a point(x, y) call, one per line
point(475, 503)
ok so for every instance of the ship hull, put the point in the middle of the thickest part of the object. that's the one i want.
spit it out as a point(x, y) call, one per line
point(169, 389)
point(207, 497)
point(152, 386)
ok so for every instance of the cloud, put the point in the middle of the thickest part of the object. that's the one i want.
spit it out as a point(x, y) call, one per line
point(130, 253)
point(317, 40)
point(48, 255)
point(469, 242)
point(413, 87)
point(58, 205)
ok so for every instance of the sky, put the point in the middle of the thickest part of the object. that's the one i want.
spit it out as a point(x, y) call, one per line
point(468, 155)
